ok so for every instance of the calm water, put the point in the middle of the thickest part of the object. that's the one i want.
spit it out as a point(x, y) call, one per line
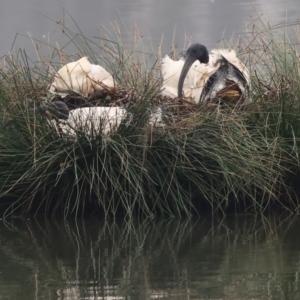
point(238, 258)
point(205, 21)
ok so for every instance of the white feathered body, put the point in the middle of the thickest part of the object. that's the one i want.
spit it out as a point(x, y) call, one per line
point(96, 120)
point(198, 75)
point(82, 77)
point(91, 121)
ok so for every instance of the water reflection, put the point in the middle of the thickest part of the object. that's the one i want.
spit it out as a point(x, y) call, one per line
point(236, 258)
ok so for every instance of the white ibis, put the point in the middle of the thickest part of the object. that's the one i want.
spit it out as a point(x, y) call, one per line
point(200, 75)
point(91, 120)
point(81, 77)
point(218, 71)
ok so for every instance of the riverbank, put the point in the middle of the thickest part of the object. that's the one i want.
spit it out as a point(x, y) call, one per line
point(216, 157)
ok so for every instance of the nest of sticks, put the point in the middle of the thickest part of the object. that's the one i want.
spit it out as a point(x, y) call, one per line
point(179, 108)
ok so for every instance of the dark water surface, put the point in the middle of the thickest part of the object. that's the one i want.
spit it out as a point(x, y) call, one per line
point(237, 258)
point(205, 21)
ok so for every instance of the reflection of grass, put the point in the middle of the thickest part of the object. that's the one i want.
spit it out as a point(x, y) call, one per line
point(222, 156)
point(86, 257)
point(206, 258)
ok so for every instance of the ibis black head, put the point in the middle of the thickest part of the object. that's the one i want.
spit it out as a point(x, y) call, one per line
point(193, 53)
point(60, 110)
point(197, 51)
point(56, 109)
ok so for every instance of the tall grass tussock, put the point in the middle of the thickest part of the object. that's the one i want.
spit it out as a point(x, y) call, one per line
point(220, 155)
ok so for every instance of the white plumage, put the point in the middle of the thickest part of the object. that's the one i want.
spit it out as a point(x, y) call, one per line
point(92, 120)
point(81, 77)
point(200, 76)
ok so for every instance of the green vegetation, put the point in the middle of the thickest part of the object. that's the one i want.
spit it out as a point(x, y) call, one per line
point(217, 156)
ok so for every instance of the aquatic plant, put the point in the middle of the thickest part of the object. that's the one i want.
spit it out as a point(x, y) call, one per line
point(219, 156)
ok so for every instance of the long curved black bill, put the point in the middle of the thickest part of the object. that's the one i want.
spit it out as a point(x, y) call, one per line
point(187, 65)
